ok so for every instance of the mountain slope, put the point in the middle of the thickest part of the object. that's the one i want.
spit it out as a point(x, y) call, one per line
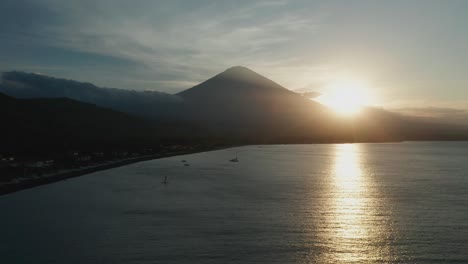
point(237, 105)
point(155, 105)
point(234, 81)
point(240, 102)
point(41, 125)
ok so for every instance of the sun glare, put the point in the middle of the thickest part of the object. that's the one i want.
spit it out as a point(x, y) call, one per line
point(346, 96)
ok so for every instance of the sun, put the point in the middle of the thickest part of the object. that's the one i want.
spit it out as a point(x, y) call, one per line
point(346, 96)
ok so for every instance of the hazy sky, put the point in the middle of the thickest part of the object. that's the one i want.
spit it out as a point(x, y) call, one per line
point(412, 53)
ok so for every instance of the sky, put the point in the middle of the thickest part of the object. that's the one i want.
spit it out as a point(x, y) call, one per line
point(411, 54)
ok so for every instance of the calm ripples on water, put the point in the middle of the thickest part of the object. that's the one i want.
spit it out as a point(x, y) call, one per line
point(350, 203)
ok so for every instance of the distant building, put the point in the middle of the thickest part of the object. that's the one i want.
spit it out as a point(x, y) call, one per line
point(83, 158)
point(40, 164)
point(120, 153)
point(7, 162)
point(7, 159)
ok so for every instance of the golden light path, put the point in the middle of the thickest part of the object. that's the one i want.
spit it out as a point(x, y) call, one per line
point(353, 229)
point(348, 184)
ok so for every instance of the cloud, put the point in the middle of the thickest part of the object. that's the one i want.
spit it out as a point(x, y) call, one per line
point(171, 44)
point(439, 114)
point(175, 41)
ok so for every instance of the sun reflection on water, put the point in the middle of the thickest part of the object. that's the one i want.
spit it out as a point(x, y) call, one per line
point(348, 203)
point(348, 223)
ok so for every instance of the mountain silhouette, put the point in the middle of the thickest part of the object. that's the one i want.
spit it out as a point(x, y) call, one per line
point(54, 124)
point(241, 102)
point(150, 104)
point(235, 81)
point(237, 105)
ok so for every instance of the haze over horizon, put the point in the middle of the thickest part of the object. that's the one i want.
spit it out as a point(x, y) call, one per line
point(411, 54)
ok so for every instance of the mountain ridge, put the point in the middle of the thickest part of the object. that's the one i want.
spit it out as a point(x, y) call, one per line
point(234, 79)
point(241, 102)
point(148, 104)
point(239, 105)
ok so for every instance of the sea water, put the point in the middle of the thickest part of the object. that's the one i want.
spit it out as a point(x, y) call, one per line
point(343, 203)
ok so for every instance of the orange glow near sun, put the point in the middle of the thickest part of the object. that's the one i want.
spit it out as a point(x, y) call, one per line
point(346, 96)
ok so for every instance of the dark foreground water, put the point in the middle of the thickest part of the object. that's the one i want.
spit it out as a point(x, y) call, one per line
point(360, 203)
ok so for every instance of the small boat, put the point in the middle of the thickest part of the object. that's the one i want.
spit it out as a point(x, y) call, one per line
point(165, 180)
point(234, 159)
point(183, 161)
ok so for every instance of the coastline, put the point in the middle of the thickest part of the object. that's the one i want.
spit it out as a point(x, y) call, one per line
point(29, 183)
point(59, 176)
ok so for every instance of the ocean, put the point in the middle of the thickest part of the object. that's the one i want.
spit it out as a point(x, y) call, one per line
point(326, 203)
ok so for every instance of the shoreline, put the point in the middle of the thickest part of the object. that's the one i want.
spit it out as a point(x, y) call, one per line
point(38, 181)
point(59, 176)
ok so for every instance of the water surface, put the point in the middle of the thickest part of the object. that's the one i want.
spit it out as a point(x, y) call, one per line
point(349, 203)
